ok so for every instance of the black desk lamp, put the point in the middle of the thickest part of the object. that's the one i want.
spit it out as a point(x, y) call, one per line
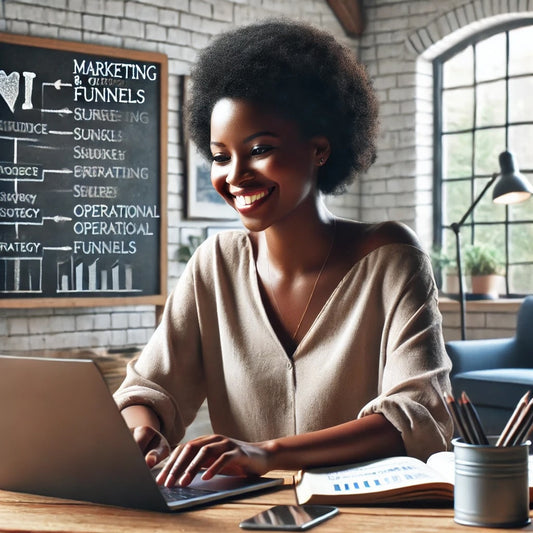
point(512, 188)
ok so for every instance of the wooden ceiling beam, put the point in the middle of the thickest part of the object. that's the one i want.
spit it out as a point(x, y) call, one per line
point(350, 14)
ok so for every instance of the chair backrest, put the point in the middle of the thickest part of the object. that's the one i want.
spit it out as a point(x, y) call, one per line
point(524, 325)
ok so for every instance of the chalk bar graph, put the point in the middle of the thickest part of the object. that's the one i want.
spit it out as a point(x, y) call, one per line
point(78, 276)
point(20, 275)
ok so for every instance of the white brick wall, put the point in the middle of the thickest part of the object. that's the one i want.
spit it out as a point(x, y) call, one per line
point(54, 329)
point(400, 39)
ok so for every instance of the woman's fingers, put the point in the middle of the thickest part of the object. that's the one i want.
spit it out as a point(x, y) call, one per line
point(143, 436)
point(157, 453)
point(180, 458)
point(152, 443)
point(223, 464)
point(212, 453)
point(188, 459)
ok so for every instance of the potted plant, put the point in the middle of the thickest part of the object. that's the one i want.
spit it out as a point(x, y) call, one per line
point(485, 268)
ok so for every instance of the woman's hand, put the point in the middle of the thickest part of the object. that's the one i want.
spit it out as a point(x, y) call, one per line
point(144, 426)
point(152, 443)
point(218, 455)
point(370, 437)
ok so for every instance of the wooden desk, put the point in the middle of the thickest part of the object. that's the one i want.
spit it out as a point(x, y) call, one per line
point(29, 513)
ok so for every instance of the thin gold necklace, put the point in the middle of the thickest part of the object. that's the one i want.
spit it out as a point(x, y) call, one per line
point(293, 336)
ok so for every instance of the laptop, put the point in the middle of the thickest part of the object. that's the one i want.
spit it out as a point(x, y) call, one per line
point(63, 436)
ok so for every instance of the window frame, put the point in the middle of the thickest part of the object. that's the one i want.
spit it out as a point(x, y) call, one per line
point(437, 65)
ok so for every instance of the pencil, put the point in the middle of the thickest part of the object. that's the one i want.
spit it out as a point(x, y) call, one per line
point(457, 418)
point(473, 419)
point(521, 427)
point(527, 432)
point(520, 406)
point(523, 431)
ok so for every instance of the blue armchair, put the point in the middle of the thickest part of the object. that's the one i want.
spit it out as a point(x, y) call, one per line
point(495, 373)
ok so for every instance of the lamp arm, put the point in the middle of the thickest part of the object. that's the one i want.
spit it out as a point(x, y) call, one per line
point(476, 201)
point(462, 312)
point(456, 227)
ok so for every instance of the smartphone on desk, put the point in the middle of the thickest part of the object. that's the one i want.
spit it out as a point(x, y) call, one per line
point(290, 517)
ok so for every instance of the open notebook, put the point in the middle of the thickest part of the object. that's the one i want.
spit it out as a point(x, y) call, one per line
point(63, 436)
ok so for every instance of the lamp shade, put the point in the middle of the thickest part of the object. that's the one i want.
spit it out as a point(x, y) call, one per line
point(512, 187)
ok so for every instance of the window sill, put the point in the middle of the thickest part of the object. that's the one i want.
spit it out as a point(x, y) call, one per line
point(501, 305)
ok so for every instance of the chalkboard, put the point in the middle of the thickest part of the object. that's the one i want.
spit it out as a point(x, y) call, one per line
point(82, 174)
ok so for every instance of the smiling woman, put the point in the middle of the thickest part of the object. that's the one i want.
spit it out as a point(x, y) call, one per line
point(322, 88)
point(261, 162)
point(315, 340)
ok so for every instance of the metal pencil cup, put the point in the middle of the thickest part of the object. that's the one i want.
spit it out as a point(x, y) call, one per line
point(491, 484)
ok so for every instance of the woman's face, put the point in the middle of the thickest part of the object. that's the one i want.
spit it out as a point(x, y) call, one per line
point(262, 166)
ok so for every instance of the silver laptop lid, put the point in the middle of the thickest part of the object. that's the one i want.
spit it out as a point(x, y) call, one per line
point(63, 436)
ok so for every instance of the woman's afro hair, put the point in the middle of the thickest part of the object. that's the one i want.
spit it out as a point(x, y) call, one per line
point(301, 73)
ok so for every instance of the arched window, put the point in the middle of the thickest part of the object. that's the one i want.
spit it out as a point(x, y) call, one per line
point(483, 91)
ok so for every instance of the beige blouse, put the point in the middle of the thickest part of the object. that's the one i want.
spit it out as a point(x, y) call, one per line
point(376, 347)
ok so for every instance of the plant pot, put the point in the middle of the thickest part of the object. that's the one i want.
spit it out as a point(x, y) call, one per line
point(451, 284)
point(489, 285)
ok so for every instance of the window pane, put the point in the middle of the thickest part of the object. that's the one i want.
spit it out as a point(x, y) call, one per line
point(521, 145)
point(455, 200)
point(488, 145)
point(448, 243)
point(457, 155)
point(458, 109)
point(459, 70)
point(492, 235)
point(491, 58)
point(520, 279)
point(486, 210)
point(520, 91)
point(490, 104)
point(521, 51)
point(520, 243)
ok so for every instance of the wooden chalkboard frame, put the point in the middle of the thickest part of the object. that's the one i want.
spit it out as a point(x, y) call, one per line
point(161, 60)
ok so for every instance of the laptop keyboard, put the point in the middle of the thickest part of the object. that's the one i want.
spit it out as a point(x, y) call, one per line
point(178, 493)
